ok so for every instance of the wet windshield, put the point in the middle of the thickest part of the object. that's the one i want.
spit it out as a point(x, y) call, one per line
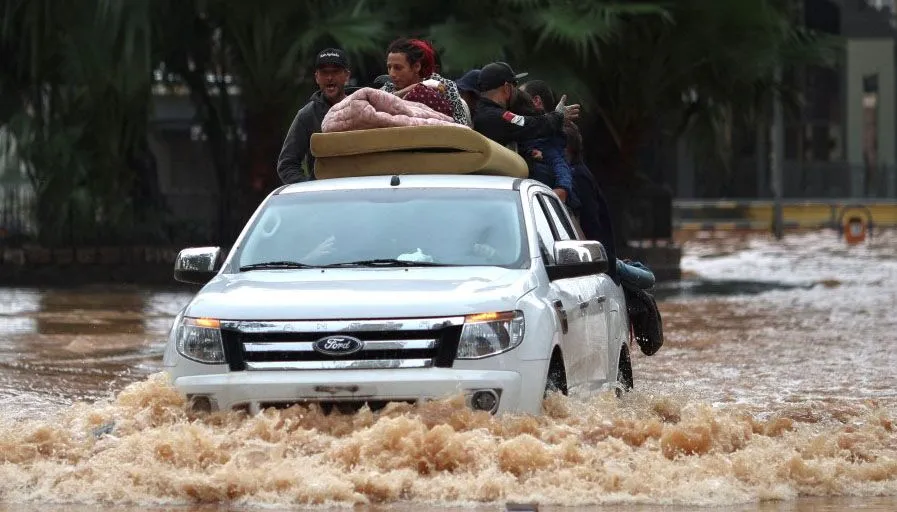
point(391, 227)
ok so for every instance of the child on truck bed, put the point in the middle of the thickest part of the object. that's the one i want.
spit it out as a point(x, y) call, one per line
point(544, 156)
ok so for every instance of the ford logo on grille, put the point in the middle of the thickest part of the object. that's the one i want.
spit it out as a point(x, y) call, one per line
point(338, 345)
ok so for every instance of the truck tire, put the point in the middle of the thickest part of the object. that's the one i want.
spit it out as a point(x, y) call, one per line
point(556, 380)
point(624, 372)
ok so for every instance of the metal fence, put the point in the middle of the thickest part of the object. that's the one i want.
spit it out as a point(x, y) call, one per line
point(189, 219)
point(800, 180)
point(838, 180)
point(649, 215)
point(16, 212)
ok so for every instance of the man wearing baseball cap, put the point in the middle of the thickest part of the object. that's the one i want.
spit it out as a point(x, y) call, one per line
point(331, 74)
point(467, 88)
point(497, 85)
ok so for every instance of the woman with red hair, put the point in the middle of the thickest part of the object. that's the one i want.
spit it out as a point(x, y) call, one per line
point(413, 67)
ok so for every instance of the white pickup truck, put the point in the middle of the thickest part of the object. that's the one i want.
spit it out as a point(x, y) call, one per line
point(375, 289)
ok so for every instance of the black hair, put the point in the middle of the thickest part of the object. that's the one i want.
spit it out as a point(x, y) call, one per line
point(541, 89)
point(437, 57)
point(403, 45)
point(574, 142)
point(380, 81)
point(522, 104)
point(415, 54)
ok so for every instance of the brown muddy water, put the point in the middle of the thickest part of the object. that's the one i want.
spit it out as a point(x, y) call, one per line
point(775, 390)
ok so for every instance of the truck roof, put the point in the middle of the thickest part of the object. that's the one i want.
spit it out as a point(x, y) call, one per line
point(467, 181)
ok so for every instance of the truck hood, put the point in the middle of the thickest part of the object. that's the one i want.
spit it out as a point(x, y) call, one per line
point(353, 293)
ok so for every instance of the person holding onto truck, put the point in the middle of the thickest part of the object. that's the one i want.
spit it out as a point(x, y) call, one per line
point(542, 94)
point(595, 218)
point(467, 88)
point(545, 156)
point(498, 85)
point(331, 75)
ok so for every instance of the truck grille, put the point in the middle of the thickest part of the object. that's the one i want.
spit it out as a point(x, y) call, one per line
point(399, 343)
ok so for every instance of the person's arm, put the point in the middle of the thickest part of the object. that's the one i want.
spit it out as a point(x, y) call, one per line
point(504, 127)
point(467, 115)
point(563, 173)
point(293, 152)
point(461, 111)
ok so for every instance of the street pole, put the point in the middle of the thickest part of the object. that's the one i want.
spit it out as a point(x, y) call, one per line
point(778, 159)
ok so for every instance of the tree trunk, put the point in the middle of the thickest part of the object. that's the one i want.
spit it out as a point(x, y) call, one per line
point(264, 139)
point(614, 169)
point(146, 195)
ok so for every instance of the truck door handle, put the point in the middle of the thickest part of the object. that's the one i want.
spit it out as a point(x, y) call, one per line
point(562, 314)
point(598, 300)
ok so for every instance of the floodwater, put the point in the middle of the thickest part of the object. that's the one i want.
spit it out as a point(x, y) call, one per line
point(775, 390)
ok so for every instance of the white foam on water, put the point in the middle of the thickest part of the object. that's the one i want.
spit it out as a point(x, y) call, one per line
point(772, 396)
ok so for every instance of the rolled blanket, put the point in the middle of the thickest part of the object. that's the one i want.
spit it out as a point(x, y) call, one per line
point(369, 108)
point(430, 97)
point(449, 90)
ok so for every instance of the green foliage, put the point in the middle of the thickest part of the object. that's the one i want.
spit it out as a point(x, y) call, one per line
point(76, 78)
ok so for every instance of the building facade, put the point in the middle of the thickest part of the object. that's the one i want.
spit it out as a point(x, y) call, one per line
point(844, 141)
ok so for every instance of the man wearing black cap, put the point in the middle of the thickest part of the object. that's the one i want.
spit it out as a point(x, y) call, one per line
point(331, 75)
point(497, 85)
point(470, 93)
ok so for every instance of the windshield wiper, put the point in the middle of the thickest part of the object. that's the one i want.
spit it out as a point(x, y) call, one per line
point(275, 265)
point(387, 262)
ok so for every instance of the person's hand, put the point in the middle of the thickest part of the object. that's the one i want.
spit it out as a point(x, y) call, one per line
point(562, 194)
point(323, 249)
point(536, 154)
point(571, 112)
point(484, 250)
point(406, 90)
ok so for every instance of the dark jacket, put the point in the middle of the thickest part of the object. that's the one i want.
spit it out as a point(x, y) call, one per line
point(553, 164)
point(505, 127)
point(594, 215)
point(295, 148)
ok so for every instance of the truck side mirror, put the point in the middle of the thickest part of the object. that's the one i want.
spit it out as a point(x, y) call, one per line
point(575, 258)
point(197, 265)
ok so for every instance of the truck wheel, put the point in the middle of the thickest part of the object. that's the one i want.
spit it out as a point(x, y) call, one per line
point(556, 381)
point(624, 372)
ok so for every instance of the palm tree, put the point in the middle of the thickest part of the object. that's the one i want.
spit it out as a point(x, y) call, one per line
point(260, 56)
point(552, 39)
point(270, 48)
point(76, 99)
point(709, 70)
point(76, 107)
point(641, 69)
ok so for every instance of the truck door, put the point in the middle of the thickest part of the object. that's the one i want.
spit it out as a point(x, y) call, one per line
point(566, 297)
point(592, 305)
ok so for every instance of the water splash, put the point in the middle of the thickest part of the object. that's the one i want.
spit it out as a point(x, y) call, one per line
point(144, 447)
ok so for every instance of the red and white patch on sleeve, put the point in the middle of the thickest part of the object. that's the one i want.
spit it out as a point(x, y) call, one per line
point(513, 118)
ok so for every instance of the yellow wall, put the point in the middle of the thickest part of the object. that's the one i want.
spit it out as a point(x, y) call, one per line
point(758, 215)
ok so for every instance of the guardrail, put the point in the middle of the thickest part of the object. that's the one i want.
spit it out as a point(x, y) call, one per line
point(704, 215)
point(16, 212)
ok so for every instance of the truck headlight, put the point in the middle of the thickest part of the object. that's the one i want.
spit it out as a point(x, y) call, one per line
point(199, 339)
point(488, 334)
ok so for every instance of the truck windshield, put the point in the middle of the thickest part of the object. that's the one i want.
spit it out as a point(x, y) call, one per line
point(387, 227)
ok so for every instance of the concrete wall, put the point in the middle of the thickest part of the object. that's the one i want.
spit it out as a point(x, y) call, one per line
point(859, 19)
point(186, 173)
point(865, 57)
